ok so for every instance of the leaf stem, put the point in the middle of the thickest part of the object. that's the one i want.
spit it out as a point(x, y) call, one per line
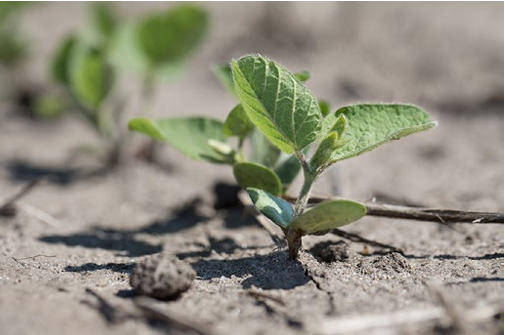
point(308, 180)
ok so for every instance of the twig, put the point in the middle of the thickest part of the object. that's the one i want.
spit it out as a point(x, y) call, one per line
point(32, 257)
point(41, 215)
point(422, 214)
point(151, 311)
point(362, 323)
point(9, 207)
point(111, 313)
point(453, 313)
point(255, 293)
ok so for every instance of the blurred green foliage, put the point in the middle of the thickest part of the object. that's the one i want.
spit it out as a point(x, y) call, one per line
point(88, 64)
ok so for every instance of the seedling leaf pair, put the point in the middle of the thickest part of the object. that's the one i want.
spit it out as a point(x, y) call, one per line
point(323, 217)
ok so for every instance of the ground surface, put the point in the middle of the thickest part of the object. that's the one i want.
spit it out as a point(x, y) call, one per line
point(446, 57)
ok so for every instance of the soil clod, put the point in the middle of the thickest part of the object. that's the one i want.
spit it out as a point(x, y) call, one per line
point(162, 277)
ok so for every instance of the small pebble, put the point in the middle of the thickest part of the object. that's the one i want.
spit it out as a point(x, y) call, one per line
point(162, 277)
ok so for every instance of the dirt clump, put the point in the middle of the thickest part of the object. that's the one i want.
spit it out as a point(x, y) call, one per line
point(162, 277)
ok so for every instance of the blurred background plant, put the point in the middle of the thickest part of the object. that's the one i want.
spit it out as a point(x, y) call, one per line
point(89, 64)
point(14, 52)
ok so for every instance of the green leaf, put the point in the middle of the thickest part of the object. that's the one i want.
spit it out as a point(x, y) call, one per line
point(370, 125)
point(126, 55)
point(303, 76)
point(274, 208)
point(104, 19)
point(188, 135)
point(223, 73)
point(61, 60)
point(237, 123)
point(329, 215)
point(257, 176)
point(325, 150)
point(277, 103)
point(333, 122)
point(228, 155)
point(171, 35)
point(91, 77)
point(324, 106)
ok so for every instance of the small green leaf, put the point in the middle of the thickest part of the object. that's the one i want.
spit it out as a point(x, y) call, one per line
point(329, 215)
point(223, 73)
point(61, 60)
point(237, 123)
point(333, 123)
point(104, 19)
point(188, 135)
point(303, 76)
point(277, 103)
point(257, 176)
point(325, 150)
point(274, 208)
point(370, 125)
point(91, 76)
point(170, 36)
point(324, 106)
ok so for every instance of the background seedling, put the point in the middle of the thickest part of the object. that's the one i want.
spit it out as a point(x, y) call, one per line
point(89, 66)
point(275, 102)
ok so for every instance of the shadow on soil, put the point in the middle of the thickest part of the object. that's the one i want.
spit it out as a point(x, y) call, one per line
point(115, 267)
point(23, 171)
point(180, 219)
point(272, 271)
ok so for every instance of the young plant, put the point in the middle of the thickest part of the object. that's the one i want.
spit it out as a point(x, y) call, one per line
point(275, 102)
point(88, 66)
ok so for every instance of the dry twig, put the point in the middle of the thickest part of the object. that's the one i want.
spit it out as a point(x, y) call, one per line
point(422, 214)
point(8, 208)
point(153, 312)
point(361, 324)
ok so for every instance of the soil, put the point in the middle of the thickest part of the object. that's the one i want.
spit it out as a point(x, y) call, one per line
point(67, 256)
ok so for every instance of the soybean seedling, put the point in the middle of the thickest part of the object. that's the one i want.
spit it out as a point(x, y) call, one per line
point(89, 65)
point(276, 103)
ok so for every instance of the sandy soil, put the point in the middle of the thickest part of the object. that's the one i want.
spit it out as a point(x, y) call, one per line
point(446, 57)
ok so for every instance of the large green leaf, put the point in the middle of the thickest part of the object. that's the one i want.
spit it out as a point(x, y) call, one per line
point(91, 76)
point(329, 215)
point(277, 103)
point(257, 176)
point(237, 123)
point(274, 208)
point(188, 135)
point(370, 125)
point(171, 35)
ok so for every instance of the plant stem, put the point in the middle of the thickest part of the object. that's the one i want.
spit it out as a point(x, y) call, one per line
point(295, 237)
